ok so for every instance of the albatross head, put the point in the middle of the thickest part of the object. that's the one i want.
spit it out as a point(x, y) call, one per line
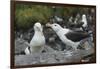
point(56, 27)
point(38, 27)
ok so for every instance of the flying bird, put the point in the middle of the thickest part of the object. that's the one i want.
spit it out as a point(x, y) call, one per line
point(67, 36)
point(38, 40)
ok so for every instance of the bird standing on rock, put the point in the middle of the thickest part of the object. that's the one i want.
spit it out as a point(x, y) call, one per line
point(38, 40)
point(67, 36)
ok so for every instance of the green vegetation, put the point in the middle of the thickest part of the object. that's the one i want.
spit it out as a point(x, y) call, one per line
point(27, 15)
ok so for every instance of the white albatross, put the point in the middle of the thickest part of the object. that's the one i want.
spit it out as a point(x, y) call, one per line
point(84, 20)
point(38, 40)
point(67, 36)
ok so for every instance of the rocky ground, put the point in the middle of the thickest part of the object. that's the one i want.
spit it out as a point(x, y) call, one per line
point(51, 55)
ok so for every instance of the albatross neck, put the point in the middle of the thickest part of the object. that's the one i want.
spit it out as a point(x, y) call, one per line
point(38, 33)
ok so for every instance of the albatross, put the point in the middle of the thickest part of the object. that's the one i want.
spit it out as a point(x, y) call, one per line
point(67, 36)
point(38, 40)
point(85, 24)
point(84, 19)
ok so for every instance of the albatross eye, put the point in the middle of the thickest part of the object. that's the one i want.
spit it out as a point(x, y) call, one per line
point(55, 25)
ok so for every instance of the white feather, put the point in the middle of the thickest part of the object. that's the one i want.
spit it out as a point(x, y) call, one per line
point(61, 33)
point(27, 51)
point(38, 40)
point(84, 19)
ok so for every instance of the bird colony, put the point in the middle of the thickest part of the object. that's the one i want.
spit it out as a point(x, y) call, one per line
point(55, 43)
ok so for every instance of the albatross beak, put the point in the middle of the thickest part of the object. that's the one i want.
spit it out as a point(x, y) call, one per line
point(40, 29)
point(48, 25)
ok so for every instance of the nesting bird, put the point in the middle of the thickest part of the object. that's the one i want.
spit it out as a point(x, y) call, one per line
point(67, 36)
point(84, 20)
point(38, 40)
point(79, 24)
point(85, 24)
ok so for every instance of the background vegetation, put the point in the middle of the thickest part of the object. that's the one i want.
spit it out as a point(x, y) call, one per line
point(27, 15)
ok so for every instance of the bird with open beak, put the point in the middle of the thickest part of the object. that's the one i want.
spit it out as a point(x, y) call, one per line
point(67, 36)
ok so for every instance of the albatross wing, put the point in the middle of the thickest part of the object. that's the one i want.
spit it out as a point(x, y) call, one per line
point(76, 36)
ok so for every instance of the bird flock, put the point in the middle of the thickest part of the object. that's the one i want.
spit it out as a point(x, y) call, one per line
point(68, 36)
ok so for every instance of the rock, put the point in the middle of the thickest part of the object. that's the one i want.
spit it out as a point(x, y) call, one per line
point(53, 57)
point(48, 49)
point(20, 45)
point(27, 59)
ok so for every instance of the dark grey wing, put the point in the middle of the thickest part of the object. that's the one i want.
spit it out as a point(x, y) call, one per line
point(76, 36)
